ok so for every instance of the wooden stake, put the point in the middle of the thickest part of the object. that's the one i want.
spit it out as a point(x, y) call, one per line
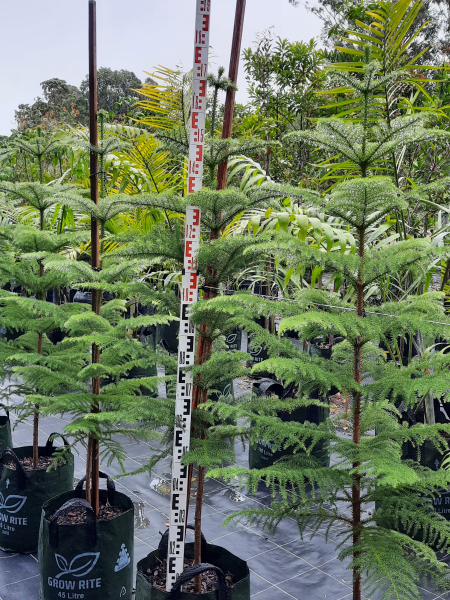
point(95, 237)
point(233, 75)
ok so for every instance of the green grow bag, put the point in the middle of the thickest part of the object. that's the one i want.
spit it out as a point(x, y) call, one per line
point(149, 371)
point(263, 455)
point(314, 349)
point(212, 556)
point(257, 355)
point(431, 458)
point(167, 336)
point(22, 494)
point(224, 390)
point(5, 430)
point(233, 340)
point(93, 560)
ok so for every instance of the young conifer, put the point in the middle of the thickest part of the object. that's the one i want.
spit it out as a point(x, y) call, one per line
point(383, 544)
point(107, 399)
point(25, 248)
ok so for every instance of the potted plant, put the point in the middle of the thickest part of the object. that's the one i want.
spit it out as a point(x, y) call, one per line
point(218, 260)
point(87, 536)
point(369, 468)
point(36, 365)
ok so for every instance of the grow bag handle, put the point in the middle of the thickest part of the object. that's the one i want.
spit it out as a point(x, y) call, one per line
point(110, 486)
point(5, 408)
point(91, 525)
point(20, 473)
point(163, 547)
point(51, 438)
point(192, 572)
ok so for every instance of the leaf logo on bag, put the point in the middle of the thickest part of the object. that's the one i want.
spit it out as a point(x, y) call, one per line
point(12, 504)
point(231, 338)
point(226, 390)
point(79, 566)
point(256, 352)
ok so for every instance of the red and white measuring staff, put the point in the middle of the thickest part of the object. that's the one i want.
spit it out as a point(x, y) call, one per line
point(189, 295)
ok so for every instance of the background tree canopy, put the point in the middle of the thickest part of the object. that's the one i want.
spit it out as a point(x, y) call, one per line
point(62, 102)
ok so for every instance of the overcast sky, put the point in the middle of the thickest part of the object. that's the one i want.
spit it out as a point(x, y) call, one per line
point(42, 39)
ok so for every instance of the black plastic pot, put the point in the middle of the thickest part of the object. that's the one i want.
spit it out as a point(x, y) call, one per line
point(213, 558)
point(93, 560)
point(167, 336)
point(263, 455)
point(5, 430)
point(23, 493)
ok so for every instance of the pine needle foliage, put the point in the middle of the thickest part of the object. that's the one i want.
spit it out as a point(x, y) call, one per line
point(25, 248)
point(392, 546)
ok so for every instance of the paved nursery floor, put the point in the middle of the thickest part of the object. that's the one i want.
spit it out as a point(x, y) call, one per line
point(282, 565)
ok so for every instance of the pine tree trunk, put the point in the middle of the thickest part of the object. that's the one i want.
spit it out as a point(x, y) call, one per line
point(204, 349)
point(95, 449)
point(36, 407)
point(356, 488)
point(198, 525)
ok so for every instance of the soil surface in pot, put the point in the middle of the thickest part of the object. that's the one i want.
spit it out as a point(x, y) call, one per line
point(27, 463)
point(156, 576)
point(79, 515)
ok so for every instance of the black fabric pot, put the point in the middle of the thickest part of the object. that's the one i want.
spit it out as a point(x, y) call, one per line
point(56, 336)
point(5, 430)
point(212, 556)
point(93, 560)
point(22, 494)
point(234, 339)
point(167, 336)
point(263, 455)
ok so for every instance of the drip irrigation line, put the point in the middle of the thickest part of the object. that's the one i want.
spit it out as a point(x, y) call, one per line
point(343, 308)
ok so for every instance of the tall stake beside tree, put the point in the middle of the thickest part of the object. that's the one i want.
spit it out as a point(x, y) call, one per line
point(93, 460)
point(382, 544)
point(231, 92)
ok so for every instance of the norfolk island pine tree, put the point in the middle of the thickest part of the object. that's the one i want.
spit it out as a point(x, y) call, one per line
point(106, 401)
point(369, 468)
point(24, 251)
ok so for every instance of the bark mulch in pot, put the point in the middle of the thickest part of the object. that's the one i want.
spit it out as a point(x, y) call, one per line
point(156, 576)
point(44, 463)
point(80, 515)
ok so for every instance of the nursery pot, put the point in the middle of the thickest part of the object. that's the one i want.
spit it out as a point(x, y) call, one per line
point(257, 355)
point(5, 430)
point(92, 560)
point(167, 336)
point(148, 371)
point(22, 494)
point(223, 390)
point(213, 558)
point(263, 455)
point(233, 339)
